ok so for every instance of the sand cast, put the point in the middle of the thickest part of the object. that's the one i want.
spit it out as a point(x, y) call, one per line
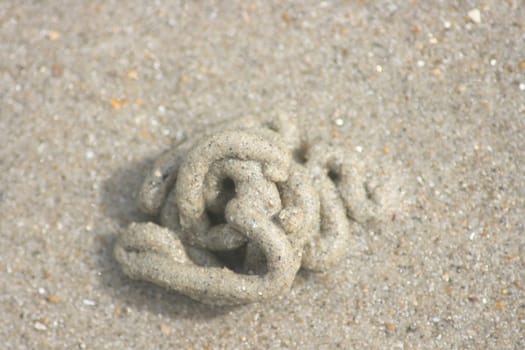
point(242, 208)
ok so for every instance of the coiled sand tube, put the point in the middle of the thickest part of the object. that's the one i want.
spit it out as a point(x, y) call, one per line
point(299, 217)
point(159, 180)
point(152, 253)
point(161, 177)
point(275, 158)
point(348, 175)
point(240, 190)
point(254, 164)
point(328, 246)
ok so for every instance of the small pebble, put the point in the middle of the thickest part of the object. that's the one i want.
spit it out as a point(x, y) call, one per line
point(118, 311)
point(88, 302)
point(53, 299)
point(117, 103)
point(57, 70)
point(474, 15)
point(39, 326)
point(132, 74)
point(165, 329)
point(54, 35)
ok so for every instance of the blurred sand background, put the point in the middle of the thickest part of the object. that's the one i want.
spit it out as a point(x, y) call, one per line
point(91, 92)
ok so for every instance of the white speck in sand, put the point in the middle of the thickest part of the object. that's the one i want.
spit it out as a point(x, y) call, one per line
point(41, 148)
point(420, 63)
point(42, 291)
point(339, 122)
point(379, 69)
point(90, 154)
point(493, 62)
point(89, 302)
point(39, 326)
point(359, 149)
point(447, 24)
point(474, 15)
point(522, 86)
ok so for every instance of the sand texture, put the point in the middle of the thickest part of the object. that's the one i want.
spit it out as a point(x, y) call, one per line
point(429, 96)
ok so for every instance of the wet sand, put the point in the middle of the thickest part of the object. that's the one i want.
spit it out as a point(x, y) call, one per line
point(433, 94)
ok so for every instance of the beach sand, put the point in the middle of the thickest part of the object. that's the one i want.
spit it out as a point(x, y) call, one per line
point(433, 94)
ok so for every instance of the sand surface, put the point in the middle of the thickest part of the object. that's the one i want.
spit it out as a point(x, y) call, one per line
point(434, 92)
